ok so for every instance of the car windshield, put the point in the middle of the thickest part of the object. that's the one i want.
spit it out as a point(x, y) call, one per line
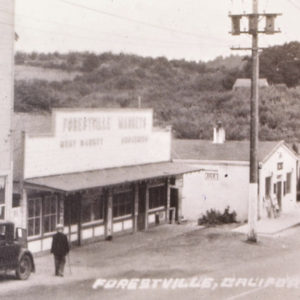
point(2, 232)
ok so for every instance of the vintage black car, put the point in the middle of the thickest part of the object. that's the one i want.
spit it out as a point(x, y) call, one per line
point(14, 255)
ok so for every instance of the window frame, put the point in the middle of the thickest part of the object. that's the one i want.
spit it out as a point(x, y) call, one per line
point(159, 202)
point(127, 204)
point(34, 217)
point(45, 216)
point(91, 201)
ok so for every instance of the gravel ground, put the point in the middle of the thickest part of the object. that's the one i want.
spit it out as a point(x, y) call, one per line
point(170, 251)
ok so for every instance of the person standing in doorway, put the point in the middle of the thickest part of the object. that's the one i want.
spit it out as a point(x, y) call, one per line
point(275, 206)
point(60, 248)
point(268, 205)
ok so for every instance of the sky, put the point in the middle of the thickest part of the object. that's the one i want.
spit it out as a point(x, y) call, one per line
point(190, 29)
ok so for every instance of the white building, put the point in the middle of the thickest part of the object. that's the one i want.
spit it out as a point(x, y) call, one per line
point(6, 105)
point(245, 83)
point(224, 177)
point(100, 172)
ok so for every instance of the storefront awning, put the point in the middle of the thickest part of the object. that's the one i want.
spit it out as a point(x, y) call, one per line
point(108, 177)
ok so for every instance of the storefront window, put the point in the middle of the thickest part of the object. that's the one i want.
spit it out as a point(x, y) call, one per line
point(71, 211)
point(157, 197)
point(50, 213)
point(92, 208)
point(86, 214)
point(34, 216)
point(122, 204)
point(98, 209)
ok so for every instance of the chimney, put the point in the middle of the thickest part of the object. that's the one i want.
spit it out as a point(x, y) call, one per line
point(219, 134)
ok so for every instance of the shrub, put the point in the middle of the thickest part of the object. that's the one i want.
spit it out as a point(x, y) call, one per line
point(90, 63)
point(214, 217)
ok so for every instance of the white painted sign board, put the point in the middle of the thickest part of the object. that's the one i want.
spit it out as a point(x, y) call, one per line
point(91, 139)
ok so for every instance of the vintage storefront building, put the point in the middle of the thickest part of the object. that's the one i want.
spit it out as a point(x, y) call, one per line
point(100, 172)
point(223, 178)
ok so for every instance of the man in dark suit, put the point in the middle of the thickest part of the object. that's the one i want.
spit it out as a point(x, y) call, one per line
point(60, 248)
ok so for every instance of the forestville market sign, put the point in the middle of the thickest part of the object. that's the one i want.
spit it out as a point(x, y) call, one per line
point(83, 126)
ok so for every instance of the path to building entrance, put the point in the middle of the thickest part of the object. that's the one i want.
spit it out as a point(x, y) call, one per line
point(271, 226)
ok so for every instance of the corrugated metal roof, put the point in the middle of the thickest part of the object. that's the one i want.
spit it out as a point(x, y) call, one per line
point(228, 151)
point(107, 177)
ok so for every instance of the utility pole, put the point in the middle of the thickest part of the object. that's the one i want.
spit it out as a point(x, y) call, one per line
point(253, 30)
point(253, 187)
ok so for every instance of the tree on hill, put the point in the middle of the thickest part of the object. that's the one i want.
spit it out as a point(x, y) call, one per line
point(280, 64)
point(90, 63)
point(187, 95)
point(37, 96)
point(71, 60)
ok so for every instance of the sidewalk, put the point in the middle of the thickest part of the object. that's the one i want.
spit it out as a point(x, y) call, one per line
point(274, 225)
point(84, 260)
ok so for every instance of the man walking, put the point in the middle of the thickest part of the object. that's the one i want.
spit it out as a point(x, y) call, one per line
point(59, 248)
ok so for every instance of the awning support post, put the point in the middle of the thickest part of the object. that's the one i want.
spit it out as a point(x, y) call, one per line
point(109, 216)
point(135, 206)
point(146, 204)
point(168, 199)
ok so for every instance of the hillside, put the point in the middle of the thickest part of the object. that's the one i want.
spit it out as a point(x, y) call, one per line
point(190, 96)
point(29, 73)
point(231, 62)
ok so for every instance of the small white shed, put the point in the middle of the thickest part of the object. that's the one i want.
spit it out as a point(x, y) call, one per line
point(242, 83)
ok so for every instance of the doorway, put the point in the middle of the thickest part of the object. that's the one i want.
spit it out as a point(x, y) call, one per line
point(72, 212)
point(173, 205)
point(279, 193)
point(141, 219)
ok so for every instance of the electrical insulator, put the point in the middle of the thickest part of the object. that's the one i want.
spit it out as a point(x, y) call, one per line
point(235, 22)
point(253, 24)
point(270, 24)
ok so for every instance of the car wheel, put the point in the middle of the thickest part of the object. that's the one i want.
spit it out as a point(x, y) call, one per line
point(24, 268)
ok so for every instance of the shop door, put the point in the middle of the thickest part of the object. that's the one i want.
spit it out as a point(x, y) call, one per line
point(72, 218)
point(174, 204)
point(142, 209)
point(279, 193)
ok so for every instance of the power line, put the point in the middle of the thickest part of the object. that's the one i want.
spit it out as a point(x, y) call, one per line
point(267, 5)
point(95, 40)
point(125, 37)
point(294, 4)
point(243, 5)
point(96, 31)
point(132, 20)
